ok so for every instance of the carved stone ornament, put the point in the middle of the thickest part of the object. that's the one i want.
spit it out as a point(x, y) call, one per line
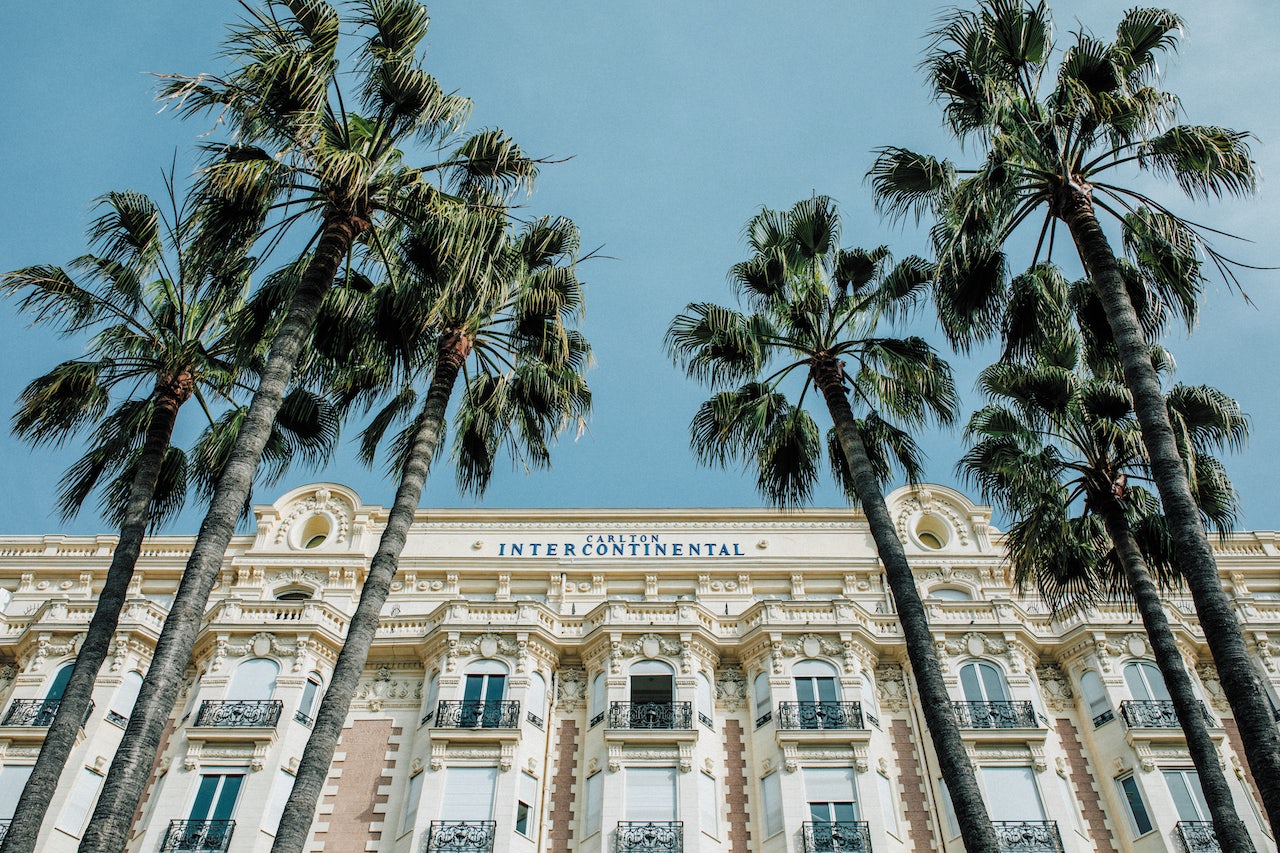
point(891, 687)
point(1055, 686)
point(386, 691)
point(320, 501)
point(731, 688)
point(1213, 687)
point(648, 645)
point(571, 687)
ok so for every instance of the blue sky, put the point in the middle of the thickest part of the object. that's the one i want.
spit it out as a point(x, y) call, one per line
point(679, 121)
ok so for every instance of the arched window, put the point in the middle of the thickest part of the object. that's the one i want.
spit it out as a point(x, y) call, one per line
point(433, 695)
point(1146, 684)
point(310, 696)
point(126, 696)
point(706, 699)
point(293, 595)
point(254, 679)
point(950, 594)
point(597, 700)
point(983, 682)
point(538, 696)
point(486, 682)
point(59, 684)
point(870, 702)
point(763, 699)
point(815, 681)
point(652, 682)
point(1096, 697)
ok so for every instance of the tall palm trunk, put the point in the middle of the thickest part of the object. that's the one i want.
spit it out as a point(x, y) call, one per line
point(1230, 830)
point(126, 782)
point(1194, 557)
point(313, 769)
point(962, 783)
point(32, 805)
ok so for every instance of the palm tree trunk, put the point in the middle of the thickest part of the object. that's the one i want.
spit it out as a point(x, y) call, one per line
point(1194, 556)
point(32, 805)
point(126, 782)
point(313, 769)
point(962, 783)
point(1230, 830)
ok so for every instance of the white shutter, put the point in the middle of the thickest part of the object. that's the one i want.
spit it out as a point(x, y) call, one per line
point(529, 796)
point(1011, 793)
point(279, 797)
point(411, 799)
point(771, 793)
point(829, 785)
point(708, 808)
point(79, 804)
point(468, 793)
point(651, 793)
point(598, 688)
point(13, 777)
point(887, 805)
point(127, 693)
point(595, 798)
point(763, 699)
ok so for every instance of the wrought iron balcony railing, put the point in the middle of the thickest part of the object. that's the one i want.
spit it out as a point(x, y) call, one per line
point(204, 836)
point(764, 718)
point(305, 719)
point(4, 829)
point(852, 835)
point(478, 715)
point(239, 713)
point(1147, 714)
point(1197, 836)
point(650, 715)
point(535, 719)
point(820, 715)
point(37, 712)
point(461, 836)
point(1027, 836)
point(649, 836)
point(995, 715)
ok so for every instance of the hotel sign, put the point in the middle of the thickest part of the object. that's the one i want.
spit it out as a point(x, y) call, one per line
point(623, 545)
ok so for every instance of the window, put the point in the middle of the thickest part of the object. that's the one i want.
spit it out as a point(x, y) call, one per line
point(870, 702)
point(279, 798)
point(6, 597)
point(59, 684)
point(527, 806)
point(486, 682)
point(652, 682)
point(595, 801)
point(708, 808)
point(598, 691)
point(293, 595)
point(771, 794)
point(1139, 821)
point(953, 825)
point(80, 803)
point(650, 793)
point(468, 793)
point(830, 793)
point(13, 778)
point(764, 701)
point(412, 797)
point(1096, 697)
point(310, 692)
point(706, 702)
point(215, 803)
point(126, 695)
point(1188, 797)
point(815, 681)
point(949, 594)
point(1011, 793)
point(982, 682)
point(433, 694)
point(888, 807)
point(537, 697)
point(1146, 684)
point(255, 679)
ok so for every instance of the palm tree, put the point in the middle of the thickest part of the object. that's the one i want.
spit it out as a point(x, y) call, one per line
point(159, 313)
point(507, 327)
point(814, 309)
point(297, 152)
point(1059, 450)
point(1053, 153)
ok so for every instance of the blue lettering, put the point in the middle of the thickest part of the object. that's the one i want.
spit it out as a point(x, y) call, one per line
point(535, 546)
point(568, 549)
point(724, 552)
point(737, 551)
point(517, 550)
point(634, 546)
point(551, 549)
point(695, 550)
point(502, 548)
point(675, 550)
point(660, 550)
point(618, 550)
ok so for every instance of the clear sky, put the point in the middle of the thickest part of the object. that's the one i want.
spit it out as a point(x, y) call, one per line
point(680, 120)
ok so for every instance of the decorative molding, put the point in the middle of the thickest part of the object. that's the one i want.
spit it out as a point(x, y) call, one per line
point(891, 687)
point(1055, 687)
point(731, 688)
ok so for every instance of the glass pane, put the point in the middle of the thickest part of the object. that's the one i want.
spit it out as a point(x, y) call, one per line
point(1137, 808)
point(969, 683)
point(827, 690)
point(820, 812)
point(1188, 799)
point(1156, 682)
point(844, 812)
point(771, 791)
point(1011, 793)
point(806, 690)
point(474, 688)
point(204, 797)
point(60, 682)
point(993, 682)
point(595, 796)
point(494, 688)
point(226, 803)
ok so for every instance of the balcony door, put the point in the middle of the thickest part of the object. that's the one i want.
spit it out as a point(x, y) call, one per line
point(1188, 798)
point(983, 682)
point(254, 680)
point(830, 794)
point(209, 821)
point(815, 682)
point(482, 695)
point(1146, 684)
point(652, 682)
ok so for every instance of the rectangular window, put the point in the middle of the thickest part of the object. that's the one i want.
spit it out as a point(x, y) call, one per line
point(80, 803)
point(650, 793)
point(1138, 818)
point(13, 778)
point(830, 794)
point(1188, 798)
point(708, 808)
point(953, 825)
point(526, 806)
point(771, 793)
point(887, 805)
point(216, 797)
point(468, 793)
point(1011, 793)
point(279, 797)
point(412, 797)
point(595, 801)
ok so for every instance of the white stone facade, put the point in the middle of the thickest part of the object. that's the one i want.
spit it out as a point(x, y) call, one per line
point(739, 672)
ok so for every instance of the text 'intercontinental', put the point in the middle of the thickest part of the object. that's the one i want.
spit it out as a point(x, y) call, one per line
point(621, 545)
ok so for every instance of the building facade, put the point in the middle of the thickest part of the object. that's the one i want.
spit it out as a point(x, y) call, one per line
point(609, 681)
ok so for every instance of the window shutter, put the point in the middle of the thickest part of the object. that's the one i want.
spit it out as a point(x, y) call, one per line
point(595, 797)
point(81, 801)
point(412, 797)
point(709, 809)
point(1011, 793)
point(468, 793)
point(275, 806)
point(771, 793)
point(651, 793)
point(829, 785)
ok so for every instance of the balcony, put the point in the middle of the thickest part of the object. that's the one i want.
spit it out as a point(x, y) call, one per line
point(205, 836)
point(1195, 836)
point(461, 836)
point(649, 836)
point(1156, 715)
point(239, 713)
point(4, 829)
point(478, 715)
point(1027, 836)
point(839, 835)
point(651, 715)
point(995, 715)
point(27, 719)
point(820, 715)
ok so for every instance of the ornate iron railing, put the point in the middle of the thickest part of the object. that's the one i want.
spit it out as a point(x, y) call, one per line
point(596, 720)
point(1197, 836)
point(1105, 717)
point(650, 836)
point(764, 718)
point(1027, 836)
point(534, 718)
point(305, 719)
point(461, 836)
point(836, 835)
point(205, 836)
point(4, 829)
point(650, 715)
point(995, 715)
point(478, 715)
point(116, 718)
point(706, 721)
point(37, 712)
point(1160, 714)
point(820, 715)
point(239, 713)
